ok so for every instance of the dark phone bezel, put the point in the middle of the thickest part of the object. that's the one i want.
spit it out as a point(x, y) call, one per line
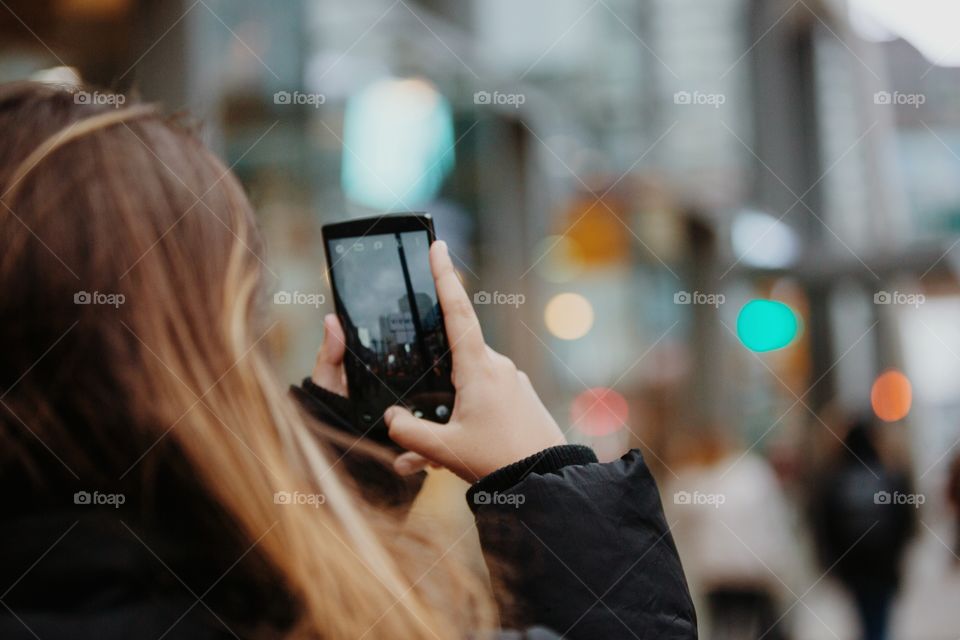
point(386, 223)
point(359, 228)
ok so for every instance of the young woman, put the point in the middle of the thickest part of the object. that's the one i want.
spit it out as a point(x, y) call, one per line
point(147, 446)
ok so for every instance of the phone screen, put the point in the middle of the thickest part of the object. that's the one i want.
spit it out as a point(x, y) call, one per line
point(397, 351)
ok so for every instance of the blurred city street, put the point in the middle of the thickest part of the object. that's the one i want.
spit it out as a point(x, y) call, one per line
point(723, 232)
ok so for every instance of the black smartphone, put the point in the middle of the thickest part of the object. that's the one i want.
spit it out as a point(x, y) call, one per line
point(397, 348)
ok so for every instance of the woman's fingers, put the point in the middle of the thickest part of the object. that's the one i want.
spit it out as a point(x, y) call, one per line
point(417, 435)
point(459, 318)
point(409, 463)
point(328, 371)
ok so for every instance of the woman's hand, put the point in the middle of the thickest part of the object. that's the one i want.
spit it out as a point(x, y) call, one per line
point(497, 417)
point(328, 372)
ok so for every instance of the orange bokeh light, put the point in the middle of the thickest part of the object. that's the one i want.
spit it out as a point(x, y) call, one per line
point(891, 396)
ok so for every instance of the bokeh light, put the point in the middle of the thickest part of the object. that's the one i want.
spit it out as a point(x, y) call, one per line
point(568, 316)
point(891, 396)
point(766, 325)
point(398, 143)
point(599, 411)
point(763, 241)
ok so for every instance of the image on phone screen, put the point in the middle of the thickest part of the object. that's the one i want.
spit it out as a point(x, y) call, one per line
point(397, 351)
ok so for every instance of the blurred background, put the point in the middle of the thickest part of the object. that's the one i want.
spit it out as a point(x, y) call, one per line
point(721, 231)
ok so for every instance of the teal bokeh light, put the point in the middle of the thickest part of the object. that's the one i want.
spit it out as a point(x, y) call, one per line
point(766, 325)
point(398, 144)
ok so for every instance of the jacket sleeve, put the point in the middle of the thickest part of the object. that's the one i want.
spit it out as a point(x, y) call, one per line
point(582, 548)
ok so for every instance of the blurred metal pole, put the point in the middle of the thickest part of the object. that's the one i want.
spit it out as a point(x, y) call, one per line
point(507, 216)
point(160, 69)
point(787, 142)
point(708, 386)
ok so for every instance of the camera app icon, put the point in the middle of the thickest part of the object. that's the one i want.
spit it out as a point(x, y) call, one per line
point(282, 97)
point(682, 297)
point(881, 297)
point(82, 297)
point(282, 497)
point(481, 97)
point(482, 297)
point(81, 497)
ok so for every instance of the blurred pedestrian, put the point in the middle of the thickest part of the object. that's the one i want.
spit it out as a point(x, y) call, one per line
point(863, 516)
point(732, 526)
point(953, 500)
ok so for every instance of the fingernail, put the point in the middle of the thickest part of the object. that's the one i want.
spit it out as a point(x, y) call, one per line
point(443, 247)
point(388, 415)
point(403, 466)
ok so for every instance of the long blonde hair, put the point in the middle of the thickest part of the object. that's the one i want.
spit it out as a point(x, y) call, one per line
point(131, 278)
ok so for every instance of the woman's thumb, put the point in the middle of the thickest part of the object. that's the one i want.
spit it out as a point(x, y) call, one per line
point(416, 434)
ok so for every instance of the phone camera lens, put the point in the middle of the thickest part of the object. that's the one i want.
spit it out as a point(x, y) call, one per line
point(442, 411)
point(418, 413)
point(367, 418)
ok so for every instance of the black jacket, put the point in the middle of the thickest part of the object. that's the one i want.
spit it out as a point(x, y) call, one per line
point(586, 548)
